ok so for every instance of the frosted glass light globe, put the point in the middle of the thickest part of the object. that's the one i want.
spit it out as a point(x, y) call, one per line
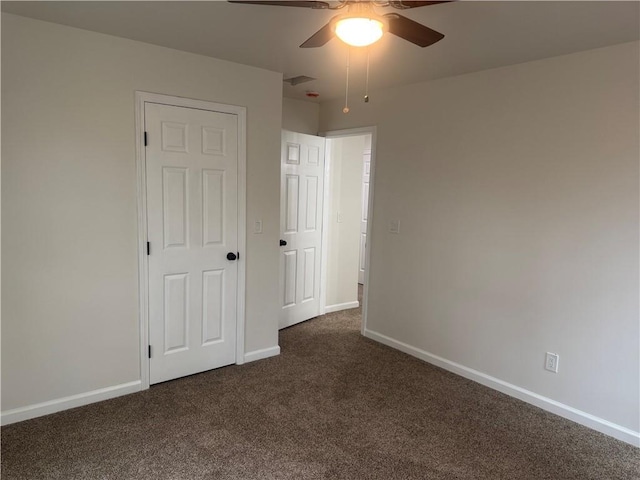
point(359, 31)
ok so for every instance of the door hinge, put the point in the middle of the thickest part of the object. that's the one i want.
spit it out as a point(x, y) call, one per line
point(238, 257)
point(148, 248)
point(145, 139)
point(149, 351)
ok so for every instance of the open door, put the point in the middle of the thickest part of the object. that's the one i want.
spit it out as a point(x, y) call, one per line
point(301, 205)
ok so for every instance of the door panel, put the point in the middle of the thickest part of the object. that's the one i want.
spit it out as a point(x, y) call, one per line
point(174, 194)
point(290, 268)
point(176, 292)
point(213, 193)
point(291, 204)
point(213, 308)
point(308, 287)
point(312, 204)
point(192, 211)
point(301, 226)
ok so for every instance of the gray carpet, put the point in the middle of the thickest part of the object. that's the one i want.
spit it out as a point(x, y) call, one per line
point(333, 405)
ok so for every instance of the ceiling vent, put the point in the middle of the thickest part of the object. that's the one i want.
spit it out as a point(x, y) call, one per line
point(293, 81)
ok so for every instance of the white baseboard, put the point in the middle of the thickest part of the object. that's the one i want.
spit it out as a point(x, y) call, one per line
point(261, 354)
point(341, 306)
point(53, 406)
point(583, 418)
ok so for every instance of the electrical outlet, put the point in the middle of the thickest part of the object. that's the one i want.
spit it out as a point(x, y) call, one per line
point(257, 226)
point(551, 362)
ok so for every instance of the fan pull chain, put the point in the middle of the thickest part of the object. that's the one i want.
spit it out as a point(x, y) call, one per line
point(346, 95)
point(366, 88)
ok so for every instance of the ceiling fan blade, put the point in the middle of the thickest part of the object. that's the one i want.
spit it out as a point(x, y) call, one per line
point(414, 4)
point(285, 3)
point(320, 38)
point(411, 31)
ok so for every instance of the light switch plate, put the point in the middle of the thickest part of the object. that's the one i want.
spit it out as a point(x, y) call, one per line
point(257, 226)
point(551, 361)
point(394, 226)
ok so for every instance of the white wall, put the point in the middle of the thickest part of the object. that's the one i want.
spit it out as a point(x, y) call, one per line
point(343, 246)
point(69, 298)
point(517, 191)
point(300, 116)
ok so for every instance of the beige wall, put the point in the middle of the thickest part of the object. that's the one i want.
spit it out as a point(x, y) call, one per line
point(300, 116)
point(343, 249)
point(69, 276)
point(517, 192)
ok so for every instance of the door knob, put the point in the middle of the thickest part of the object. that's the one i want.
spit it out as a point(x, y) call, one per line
point(231, 256)
point(283, 243)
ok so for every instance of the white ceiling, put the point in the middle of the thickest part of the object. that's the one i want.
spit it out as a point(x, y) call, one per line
point(478, 35)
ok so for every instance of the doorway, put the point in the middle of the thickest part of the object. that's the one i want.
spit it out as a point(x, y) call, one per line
point(349, 172)
point(326, 201)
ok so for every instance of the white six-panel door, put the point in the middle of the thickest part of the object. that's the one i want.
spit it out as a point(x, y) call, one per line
point(366, 172)
point(192, 210)
point(301, 198)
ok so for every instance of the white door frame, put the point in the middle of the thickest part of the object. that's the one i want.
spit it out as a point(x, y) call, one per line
point(143, 262)
point(349, 132)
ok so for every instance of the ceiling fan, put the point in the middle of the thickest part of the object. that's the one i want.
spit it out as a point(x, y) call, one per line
point(360, 25)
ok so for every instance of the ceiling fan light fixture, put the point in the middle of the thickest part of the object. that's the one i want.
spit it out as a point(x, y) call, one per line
point(359, 31)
